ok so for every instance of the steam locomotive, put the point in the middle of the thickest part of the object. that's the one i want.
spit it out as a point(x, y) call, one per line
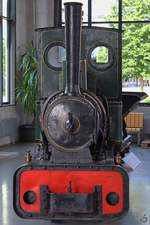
point(75, 173)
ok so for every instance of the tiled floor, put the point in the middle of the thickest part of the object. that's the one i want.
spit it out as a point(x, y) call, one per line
point(139, 213)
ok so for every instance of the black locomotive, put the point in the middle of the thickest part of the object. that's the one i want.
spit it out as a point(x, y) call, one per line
point(76, 173)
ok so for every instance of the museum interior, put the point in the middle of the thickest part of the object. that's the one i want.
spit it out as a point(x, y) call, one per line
point(74, 112)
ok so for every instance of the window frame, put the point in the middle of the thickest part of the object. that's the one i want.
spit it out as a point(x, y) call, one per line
point(120, 23)
point(11, 38)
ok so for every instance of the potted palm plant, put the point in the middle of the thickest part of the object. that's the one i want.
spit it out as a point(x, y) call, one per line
point(26, 91)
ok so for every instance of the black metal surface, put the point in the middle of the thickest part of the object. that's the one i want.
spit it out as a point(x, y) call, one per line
point(89, 13)
point(43, 200)
point(130, 99)
point(120, 48)
point(70, 123)
point(71, 203)
point(57, 13)
point(73, 15)
point(29, 197)
point(112, 198)
point(72, 157)
point(117, 22)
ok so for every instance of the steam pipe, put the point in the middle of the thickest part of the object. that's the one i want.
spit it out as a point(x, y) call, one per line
point(73, 16)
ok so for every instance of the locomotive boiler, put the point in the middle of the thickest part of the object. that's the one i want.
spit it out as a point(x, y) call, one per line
point(75, 173)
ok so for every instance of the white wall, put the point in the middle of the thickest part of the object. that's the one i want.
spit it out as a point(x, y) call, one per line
point(44, 13)
point(8, 125)
point(30, 14)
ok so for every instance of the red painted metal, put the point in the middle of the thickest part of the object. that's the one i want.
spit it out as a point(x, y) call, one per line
point(81, 182)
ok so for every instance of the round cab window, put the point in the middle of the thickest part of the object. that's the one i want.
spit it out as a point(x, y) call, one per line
point(54, 56)
point(101, 57)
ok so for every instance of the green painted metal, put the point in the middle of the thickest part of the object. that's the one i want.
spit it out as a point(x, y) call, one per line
point(49, 78)
point(100, 82)
point(103, 82)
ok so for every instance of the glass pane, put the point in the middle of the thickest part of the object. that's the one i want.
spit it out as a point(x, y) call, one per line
point(100, 55)
point(108, 25)
point(5, 9)
point(84, 9)
point(136, 58)
point(103, 10)
point(5, 62)
point(54, 56)
point(135, 10)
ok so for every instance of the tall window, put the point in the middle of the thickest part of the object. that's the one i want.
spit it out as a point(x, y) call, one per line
point(84, 8)
point(7, 51)
point(133, 17)
point(95, 12)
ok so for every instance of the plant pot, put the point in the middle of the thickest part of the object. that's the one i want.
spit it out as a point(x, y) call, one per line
point(27, 133)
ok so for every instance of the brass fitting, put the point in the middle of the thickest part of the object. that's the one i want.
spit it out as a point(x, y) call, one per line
point(28, 157)
point(118, 158)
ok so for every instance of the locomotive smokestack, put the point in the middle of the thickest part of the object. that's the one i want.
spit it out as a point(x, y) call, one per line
point(73, 16)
